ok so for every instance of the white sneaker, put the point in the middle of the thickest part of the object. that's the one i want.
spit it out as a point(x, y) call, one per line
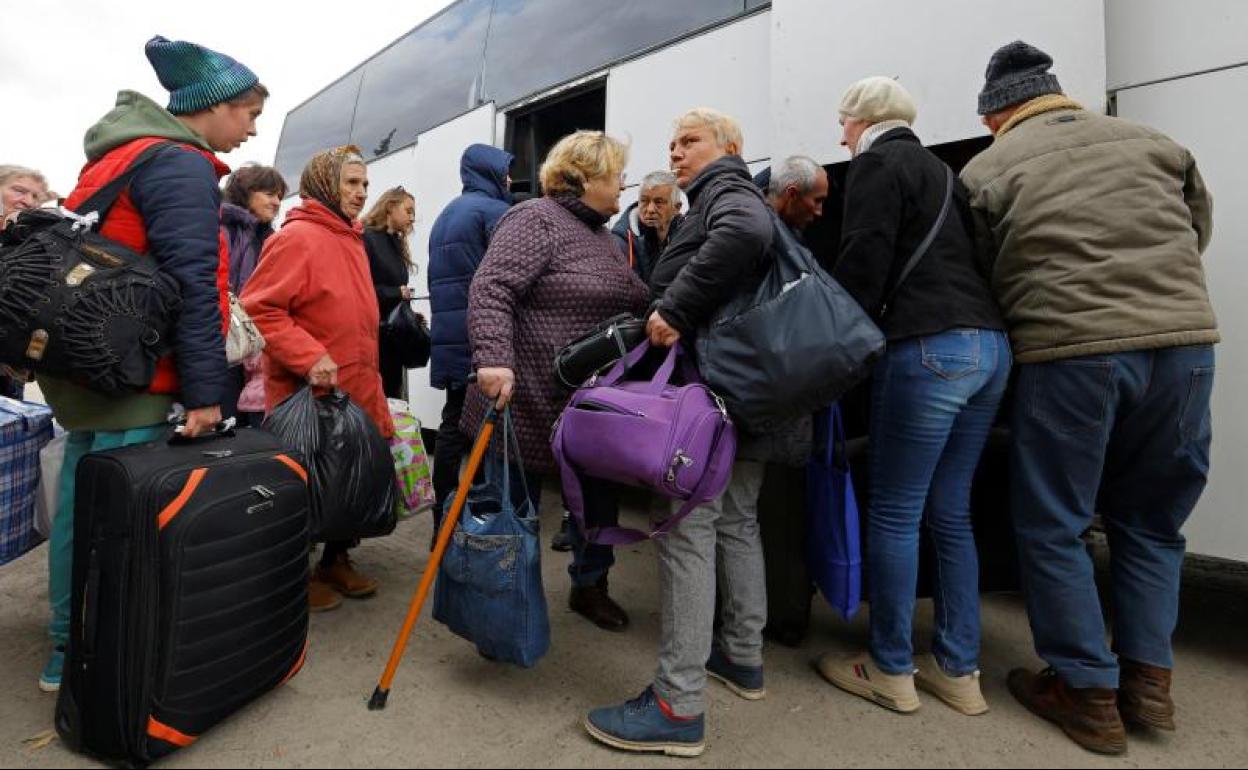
point(860, 676)
point(961, 693)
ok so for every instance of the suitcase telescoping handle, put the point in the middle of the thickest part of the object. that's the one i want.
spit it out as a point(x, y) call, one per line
point(223, 429)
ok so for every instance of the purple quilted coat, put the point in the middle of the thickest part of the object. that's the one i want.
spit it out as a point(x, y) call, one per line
point(551, 273)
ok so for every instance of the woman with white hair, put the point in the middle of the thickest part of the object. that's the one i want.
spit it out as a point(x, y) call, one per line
point(908, 257)
point(21, 188)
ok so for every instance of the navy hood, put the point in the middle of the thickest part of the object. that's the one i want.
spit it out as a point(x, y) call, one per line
point(483, 168)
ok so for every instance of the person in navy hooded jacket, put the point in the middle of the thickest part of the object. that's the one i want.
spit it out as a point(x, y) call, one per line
point(457, 245)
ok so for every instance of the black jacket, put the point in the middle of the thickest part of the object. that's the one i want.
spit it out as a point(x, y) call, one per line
point(388, 268)
point(893, 197)
point(716, 250)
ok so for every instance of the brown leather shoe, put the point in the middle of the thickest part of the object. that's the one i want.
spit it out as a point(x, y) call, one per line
point(341, 575)
point(593, 603)
point(322, 597)
point(1144, 695)
point(1089, 717)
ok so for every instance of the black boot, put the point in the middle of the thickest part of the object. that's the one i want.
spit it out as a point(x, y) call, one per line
point(593, 604)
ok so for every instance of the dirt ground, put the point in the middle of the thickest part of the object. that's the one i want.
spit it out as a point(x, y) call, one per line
point(451, 708)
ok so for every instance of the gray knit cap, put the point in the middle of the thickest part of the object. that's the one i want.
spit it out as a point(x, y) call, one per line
point(1017, 73)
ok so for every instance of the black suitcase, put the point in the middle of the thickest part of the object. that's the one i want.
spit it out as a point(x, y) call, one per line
point(189, 590)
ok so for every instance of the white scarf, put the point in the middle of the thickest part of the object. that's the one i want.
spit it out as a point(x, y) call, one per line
point(875, 132)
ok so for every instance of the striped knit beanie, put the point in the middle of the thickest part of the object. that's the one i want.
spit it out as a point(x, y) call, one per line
point(197, 78)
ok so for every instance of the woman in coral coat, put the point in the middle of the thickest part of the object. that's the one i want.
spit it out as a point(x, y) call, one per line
point(312, 298)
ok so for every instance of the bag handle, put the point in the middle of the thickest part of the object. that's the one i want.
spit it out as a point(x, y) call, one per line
point(102, 200)
point(836, 437)
point(919, 252)
point(512, 441)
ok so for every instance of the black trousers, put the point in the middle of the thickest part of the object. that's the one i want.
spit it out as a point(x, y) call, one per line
point(449, 451)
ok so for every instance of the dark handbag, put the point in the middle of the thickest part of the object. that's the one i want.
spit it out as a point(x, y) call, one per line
point(82, 307)
point(597, 349)
point(792, 346)
point(405, 334)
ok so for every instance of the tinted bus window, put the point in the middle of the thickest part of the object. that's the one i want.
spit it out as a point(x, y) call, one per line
point(535, 45)
point(322, 123)
point(423, 80)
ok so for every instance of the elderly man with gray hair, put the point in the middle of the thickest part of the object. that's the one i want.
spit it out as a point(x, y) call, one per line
point(645, 227)
point(798, 190)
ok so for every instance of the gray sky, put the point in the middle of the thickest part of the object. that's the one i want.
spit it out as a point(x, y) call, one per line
point(63, 61)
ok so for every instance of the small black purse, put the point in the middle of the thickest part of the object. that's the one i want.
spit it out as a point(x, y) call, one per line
point(405, 332)
point(597, 349)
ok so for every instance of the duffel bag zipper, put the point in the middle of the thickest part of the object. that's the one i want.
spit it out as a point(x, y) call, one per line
point(613, 408)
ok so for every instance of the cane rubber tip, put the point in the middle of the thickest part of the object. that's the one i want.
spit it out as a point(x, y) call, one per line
point(378, 701)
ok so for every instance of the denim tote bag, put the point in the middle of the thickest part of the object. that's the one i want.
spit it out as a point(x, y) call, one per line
point(833, 546)
point(489, 588)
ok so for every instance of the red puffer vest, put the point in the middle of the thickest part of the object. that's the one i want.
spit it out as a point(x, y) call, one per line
point(125, 225)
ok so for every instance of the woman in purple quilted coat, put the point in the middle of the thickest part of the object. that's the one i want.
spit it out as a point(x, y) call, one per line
point(551, 273)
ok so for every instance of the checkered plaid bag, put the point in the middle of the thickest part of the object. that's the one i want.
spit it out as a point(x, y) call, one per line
point(24, 430)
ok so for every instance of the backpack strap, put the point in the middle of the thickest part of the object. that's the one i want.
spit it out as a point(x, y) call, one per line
point(913, 262)
point(103, 199)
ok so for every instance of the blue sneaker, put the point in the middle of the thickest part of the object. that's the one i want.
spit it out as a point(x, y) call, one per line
point(50, 679)
point(646, 723)
point(746, 681)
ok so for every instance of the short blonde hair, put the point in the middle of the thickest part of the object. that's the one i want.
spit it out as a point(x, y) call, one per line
point(579, 157)
point(726, 129)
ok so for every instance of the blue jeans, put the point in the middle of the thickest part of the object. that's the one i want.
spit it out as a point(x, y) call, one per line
point(591, 562)
point(933, 402)
point(1126, 435)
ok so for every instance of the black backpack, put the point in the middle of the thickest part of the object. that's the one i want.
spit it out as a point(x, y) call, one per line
point(82, 307)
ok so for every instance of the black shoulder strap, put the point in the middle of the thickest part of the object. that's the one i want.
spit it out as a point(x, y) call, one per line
point(926, 244)
point(102, 200)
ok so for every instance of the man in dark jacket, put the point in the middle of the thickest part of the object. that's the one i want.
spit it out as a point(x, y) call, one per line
point(457, 245)
point(644, 229)
point(717, 249)
point(171, 211)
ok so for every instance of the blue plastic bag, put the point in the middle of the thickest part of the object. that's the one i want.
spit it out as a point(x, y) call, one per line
point(833, 546)
point(489, 588)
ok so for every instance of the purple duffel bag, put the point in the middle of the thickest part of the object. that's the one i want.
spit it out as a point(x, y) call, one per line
point(676, 440)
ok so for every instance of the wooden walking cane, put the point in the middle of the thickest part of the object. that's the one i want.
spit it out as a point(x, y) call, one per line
point(382, 693)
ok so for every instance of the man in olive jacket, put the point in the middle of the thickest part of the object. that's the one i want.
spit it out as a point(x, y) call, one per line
point(1097, 226)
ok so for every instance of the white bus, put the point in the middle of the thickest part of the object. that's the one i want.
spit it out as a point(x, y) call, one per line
point(522, 73)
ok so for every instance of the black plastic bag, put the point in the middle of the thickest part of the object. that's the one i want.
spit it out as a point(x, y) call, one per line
point(404, 332)
point(350, 469)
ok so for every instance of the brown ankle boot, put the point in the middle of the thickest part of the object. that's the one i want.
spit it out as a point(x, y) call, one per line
point(1089, 717)
point(322, 597)
point(1144, 695)
point(341, 575)
point(593, 603)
